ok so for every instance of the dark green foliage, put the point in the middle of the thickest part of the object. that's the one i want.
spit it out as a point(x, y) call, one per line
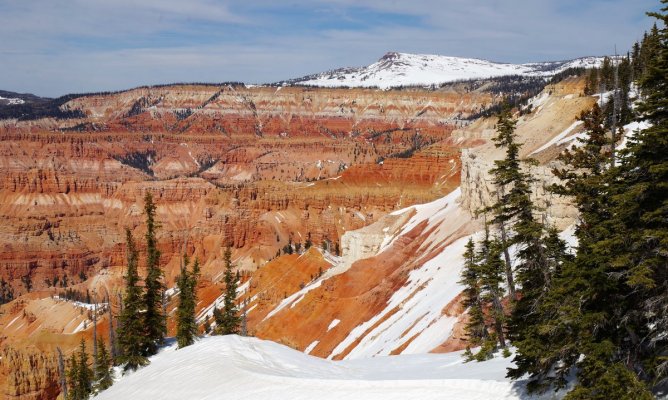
point(592, 85)
point(482, 278)
point(131, 323)
point(79, 375)
point(491, 277)
point(186, 324)
point(72, 379)
point(606, 313)
point(228, 319)
point(476, 330)
point(563, 330)
point(607, 75)
point(154, 319)
point(103, 366)
point(515, 211)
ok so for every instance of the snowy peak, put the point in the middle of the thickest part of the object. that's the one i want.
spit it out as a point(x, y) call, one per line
point(403, 69)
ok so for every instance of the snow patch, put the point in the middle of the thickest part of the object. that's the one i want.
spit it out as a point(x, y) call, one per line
point(333, 324)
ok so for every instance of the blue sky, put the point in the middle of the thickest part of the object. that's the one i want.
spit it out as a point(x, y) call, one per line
point(53, 47)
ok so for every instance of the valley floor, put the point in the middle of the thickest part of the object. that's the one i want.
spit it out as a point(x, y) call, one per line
point(248, 368)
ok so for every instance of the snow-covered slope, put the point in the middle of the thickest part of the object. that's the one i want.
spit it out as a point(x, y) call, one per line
point(248, 368)
point(401, 69)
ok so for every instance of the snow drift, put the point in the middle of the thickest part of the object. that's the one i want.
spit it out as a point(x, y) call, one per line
point(249, 368)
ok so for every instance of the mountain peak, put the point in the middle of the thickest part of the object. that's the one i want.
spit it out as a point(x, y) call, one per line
point(396, 69)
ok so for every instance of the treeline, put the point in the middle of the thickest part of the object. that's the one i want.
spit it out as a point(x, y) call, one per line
point(43, 108)
point(516, 91)
point(600, 311)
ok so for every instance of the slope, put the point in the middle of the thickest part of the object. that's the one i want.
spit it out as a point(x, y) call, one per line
point(249, 368)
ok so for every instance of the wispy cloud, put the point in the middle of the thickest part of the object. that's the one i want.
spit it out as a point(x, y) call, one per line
point(52, 47)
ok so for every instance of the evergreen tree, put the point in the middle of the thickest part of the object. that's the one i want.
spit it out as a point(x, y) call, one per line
point(74, 392)
point(154, 319)
point(592, 86)
point(186, 324)
point(103, 368)
point(228, 320)
point(607, 76)
point(562, 328)
point(491, 277)
point(131, 324)
point(476, 330)
point(84, 375)
point(639, 226)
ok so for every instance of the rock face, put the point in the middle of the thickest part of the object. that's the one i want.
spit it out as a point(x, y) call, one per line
point(29, 374)
point(252, 166)
point(554, 116)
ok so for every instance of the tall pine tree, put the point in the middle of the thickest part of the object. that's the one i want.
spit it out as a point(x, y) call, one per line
point(228, 320)
point(154, 319)
point(476, 329)
point(640, 225)
point(186, 325)
point(131, 321)
point(103, 368)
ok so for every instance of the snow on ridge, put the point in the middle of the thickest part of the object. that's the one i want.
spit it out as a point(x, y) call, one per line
point(413, 317)
point(251, 368)
point(13, 101)
point(560, 138)
point(403, 69)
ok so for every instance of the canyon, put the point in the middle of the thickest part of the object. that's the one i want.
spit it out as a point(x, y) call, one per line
point(384, 183)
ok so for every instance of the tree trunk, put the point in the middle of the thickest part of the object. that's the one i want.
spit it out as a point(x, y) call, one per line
point(506, 256)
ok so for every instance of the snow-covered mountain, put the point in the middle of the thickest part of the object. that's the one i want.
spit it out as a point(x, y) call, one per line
point(402, 69)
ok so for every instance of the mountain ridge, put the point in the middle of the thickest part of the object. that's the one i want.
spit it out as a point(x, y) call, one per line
point(396, 69)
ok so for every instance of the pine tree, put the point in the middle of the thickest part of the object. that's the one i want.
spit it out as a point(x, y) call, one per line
point(491, 278)
point(476, 330)
point(508, 179)
point(607, 76)
point(74, 392)
point(227, 321)
point(103, 370)
point(592, 86)
point(640, 225)
point(561, 329)
point(186, 324)
point(131, 323)
point(84, 375)
point(154, 320)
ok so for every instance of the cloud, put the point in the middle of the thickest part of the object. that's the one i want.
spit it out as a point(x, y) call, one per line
point(58, 46)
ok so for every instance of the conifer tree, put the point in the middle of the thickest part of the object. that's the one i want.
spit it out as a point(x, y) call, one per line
point(639, 225)
point(514, 212)
point(103, 368)
point(74, 392)
point(186, 324)
point(228, 320)
point(84, 375)
point(154, 319)
point(561, 330)
point(491, 278)
point(476, 330)
point(507, 174)
point(592, 85)
point(131, 324)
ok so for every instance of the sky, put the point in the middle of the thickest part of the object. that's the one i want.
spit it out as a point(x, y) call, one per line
point(54, 47)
